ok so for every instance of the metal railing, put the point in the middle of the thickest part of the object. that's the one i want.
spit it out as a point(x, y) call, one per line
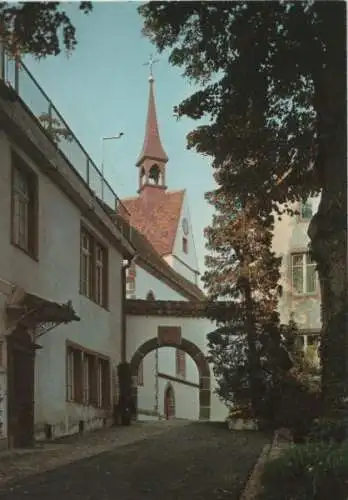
point(17, 76)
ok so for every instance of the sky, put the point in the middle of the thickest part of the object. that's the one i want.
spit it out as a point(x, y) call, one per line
point(102, 89)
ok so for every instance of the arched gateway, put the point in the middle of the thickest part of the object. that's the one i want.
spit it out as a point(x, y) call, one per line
point(171, 337)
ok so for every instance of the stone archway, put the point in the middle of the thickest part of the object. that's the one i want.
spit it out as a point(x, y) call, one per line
point(170, 336)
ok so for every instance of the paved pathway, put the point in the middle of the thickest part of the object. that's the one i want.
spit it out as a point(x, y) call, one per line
point(158, 461)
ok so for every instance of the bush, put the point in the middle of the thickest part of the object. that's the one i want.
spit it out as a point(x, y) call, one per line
point(297, 406)
point(329, 430)
point(313, 471)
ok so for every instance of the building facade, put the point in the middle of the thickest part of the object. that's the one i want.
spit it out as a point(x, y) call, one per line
point(60, 313)
point(300, 299)
point(65, 324)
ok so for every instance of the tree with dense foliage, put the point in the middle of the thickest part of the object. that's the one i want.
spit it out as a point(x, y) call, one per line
point(272, 81)
point(38, 28)
point(246, 350)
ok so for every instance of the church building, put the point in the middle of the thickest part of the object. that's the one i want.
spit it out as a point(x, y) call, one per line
point(165, 296)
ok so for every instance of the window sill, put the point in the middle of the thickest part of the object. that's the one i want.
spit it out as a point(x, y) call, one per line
point(106, 307)
point(305, 295)
point(30, 254)
point(89, 405)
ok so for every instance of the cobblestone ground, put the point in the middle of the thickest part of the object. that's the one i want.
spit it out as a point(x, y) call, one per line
point(159, 461)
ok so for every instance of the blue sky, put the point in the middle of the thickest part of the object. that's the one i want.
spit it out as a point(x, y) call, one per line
point(102, 89)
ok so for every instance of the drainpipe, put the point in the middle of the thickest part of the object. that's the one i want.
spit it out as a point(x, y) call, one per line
point(126, 264)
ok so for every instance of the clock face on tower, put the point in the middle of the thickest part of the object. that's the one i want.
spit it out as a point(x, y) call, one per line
point(185, 226)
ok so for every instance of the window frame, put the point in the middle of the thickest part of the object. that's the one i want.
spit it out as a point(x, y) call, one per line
point(131, 275)
point(100, 274)
point(86, 281)
point(21, 167)
point(90, 291)
point(304, 266)
point(98, 392)
point(69, 361)
point(103, 374)
point(180, 361)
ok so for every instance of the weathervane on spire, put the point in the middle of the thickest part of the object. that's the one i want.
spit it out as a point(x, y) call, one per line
point(150, 64)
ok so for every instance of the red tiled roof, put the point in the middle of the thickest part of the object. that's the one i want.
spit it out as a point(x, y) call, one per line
point(157, 217)
point(150, 257)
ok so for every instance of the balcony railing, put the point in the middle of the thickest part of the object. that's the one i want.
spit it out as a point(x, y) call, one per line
point(17, 76)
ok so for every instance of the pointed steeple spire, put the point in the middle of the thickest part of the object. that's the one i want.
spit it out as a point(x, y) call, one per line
point(152, 159)
point(152, 147)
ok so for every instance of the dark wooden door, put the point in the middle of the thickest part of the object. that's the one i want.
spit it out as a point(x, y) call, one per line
point(21, 377)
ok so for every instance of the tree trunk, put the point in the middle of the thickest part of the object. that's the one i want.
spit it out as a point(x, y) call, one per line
point(253, 357)
point(328, 237)
point(328, 228)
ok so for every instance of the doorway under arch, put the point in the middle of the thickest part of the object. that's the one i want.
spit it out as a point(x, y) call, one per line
point(192, 350)
point(169, 402)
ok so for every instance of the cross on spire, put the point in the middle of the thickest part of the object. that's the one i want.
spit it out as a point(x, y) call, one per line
point(150, 64)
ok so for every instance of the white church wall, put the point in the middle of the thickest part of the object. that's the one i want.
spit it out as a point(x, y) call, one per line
point(219, 411)
point(55, 275)
point(182, 268)
point(146, 392)
point(185, 263)
point(167, 364)
point(186, 399)
point(290, 236)
point(146, 282)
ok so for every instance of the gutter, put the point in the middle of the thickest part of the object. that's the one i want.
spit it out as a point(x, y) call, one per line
point(126, 265)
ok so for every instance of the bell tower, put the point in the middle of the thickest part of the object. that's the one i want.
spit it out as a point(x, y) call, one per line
point(152, 159)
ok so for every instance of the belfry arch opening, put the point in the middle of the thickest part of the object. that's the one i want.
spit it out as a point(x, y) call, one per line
point(194, 352)
point(155, 175)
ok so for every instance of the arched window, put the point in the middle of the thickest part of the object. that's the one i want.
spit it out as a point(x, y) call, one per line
point(150, 295)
